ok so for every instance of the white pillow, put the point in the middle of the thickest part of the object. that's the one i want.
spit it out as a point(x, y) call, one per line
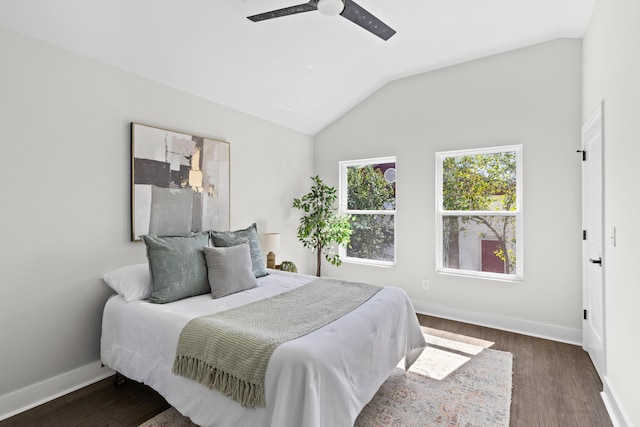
point(132, 282)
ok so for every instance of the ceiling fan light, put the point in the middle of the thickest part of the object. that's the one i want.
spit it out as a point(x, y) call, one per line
point(330, 7)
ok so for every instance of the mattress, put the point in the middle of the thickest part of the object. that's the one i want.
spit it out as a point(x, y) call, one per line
point(324, 378)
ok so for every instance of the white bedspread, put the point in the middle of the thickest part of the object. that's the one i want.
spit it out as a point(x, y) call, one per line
point(322, 379)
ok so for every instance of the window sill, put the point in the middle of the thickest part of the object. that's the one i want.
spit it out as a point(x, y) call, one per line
point(480, 275)
point(384, 264)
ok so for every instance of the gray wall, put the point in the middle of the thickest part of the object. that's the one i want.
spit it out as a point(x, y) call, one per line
point(65, 172)
point(612, 74)
point(64, 217)
point(529, 96)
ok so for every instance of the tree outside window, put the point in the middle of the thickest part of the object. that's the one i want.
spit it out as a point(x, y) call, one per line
point(368, 194)
point(479, 212)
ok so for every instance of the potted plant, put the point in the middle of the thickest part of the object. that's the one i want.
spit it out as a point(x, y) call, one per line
point(322, 227)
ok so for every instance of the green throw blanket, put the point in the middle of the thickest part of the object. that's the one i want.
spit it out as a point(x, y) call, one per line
point(229, 351)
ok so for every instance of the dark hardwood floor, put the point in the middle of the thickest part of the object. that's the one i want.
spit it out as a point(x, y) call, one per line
point(554, 385)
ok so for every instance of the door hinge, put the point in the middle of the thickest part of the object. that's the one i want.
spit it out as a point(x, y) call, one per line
point(584, 154)
point(584, 234)
point(584, 314)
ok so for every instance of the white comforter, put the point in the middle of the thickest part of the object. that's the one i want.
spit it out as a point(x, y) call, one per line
point(322, 379)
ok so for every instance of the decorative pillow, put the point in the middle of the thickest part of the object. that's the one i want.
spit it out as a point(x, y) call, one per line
point(132, 282)
point(177, 266)
point(230, 270)
point(233, 238)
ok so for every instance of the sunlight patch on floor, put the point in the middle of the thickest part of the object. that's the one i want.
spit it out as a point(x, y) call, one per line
point(451, 336)
point(453, 345)
point(445, 352)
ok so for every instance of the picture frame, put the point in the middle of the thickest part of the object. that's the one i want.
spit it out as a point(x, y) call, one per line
point(180, 183)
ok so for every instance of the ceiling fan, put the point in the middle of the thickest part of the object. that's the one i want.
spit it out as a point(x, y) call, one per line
point(346, 8)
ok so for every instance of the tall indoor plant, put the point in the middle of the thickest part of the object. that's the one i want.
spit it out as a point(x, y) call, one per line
point(322, 226)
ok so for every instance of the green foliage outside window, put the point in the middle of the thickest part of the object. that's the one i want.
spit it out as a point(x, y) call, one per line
point(482, 182)
point(373, 233)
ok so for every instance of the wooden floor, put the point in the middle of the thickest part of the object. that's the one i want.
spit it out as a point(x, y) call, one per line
point(554, 385)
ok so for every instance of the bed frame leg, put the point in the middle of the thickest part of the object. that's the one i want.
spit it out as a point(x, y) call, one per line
point(119, 380)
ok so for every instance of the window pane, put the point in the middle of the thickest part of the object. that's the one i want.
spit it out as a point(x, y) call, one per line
point(480, 243)
point(372, 237)
point(480, 182)
point(371, 187)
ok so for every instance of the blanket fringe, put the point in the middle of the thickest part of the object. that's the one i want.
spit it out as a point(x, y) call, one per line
point(243, 392)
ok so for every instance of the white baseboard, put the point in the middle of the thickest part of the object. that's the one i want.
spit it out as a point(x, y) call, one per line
point(36, 394)
point(511, 324)
point(616, 412)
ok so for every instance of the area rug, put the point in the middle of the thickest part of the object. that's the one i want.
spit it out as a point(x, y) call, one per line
point(457, 381)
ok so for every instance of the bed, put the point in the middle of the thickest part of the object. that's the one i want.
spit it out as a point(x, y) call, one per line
point(323, 378)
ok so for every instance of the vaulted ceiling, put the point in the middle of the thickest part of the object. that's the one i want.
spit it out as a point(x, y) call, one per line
point(301, 71)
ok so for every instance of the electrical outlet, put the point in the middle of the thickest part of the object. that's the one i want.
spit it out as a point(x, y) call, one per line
point(425, 284)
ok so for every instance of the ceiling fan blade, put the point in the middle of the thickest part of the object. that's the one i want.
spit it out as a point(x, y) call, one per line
point(292, 10)
point(358, 15)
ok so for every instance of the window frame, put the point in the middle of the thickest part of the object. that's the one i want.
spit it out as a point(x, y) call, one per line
point(342, 204)
point(518, 275)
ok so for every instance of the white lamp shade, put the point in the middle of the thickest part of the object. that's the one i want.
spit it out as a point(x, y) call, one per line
point(271, 241)
point(330, 7)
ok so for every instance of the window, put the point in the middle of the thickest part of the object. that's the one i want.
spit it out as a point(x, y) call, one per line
point(368, 194)
point(479, 212)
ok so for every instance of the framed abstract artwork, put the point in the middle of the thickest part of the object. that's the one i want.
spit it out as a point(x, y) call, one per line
point(180, 182)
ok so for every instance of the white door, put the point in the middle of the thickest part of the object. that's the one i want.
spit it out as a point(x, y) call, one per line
point(593, 262)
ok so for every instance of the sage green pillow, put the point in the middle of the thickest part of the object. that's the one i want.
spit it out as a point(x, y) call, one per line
point(178, 267)
point(230, 270)
point(247, 235)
